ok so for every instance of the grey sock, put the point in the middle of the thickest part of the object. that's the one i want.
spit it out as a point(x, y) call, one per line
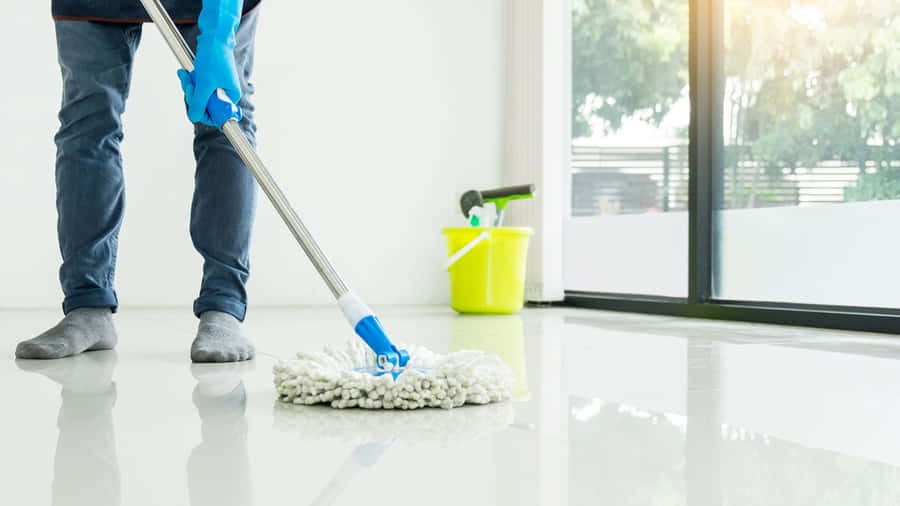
point(84, 329)
point(220, 339)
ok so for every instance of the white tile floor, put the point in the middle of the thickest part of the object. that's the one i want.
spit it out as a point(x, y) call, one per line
point(610, 408)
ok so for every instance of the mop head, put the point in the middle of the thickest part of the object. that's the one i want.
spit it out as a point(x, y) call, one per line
point(429, 381)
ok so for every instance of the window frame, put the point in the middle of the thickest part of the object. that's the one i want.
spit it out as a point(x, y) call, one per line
point(705, 153)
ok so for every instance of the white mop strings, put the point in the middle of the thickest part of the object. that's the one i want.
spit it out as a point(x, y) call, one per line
point(430, 380)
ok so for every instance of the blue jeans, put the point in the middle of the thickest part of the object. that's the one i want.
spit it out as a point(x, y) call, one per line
point(96, 61)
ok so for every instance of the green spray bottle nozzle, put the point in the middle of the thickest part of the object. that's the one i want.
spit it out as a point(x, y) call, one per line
point(471, 203)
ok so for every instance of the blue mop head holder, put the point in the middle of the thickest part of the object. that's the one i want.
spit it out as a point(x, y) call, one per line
point(388, 358)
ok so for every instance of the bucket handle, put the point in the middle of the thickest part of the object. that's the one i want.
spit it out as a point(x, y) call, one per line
point(465, 249)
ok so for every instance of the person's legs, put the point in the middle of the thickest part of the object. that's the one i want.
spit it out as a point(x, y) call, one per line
point(222, 215)
point(96, 61)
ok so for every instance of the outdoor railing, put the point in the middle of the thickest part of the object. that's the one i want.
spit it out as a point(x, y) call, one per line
point(635, 180)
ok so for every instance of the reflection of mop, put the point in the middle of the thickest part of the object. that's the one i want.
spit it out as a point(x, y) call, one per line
point(376, 432)
point(439, 428)
point(363, 458)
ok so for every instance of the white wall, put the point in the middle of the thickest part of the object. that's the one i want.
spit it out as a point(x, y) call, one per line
point(538, 140)
point(373, 117)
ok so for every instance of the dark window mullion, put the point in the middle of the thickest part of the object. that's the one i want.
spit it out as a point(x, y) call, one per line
point(706, 141)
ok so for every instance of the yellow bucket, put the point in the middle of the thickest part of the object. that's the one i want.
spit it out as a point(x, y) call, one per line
point(487, 268)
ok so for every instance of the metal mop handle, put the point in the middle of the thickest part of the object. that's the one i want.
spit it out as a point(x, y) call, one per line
point(251, 159)
point(389, 358)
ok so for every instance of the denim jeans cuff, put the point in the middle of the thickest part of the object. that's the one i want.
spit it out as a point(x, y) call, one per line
point(228, 305)
point(95, 297)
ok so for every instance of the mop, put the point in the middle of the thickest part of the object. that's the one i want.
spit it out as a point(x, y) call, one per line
point(343, 378)
point(382, 376)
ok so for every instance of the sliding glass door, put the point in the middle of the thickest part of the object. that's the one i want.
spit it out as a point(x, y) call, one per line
point(739, 158)
point(628, 227)
point(810, 185)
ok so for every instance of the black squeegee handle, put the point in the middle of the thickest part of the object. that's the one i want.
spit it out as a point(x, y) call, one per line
point(508, 191)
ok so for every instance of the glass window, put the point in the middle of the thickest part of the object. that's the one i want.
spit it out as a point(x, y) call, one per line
point(809, 195)
point(628, 226)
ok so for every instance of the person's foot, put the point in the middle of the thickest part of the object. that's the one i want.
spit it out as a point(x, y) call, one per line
point(84, 329)
point(220, 338)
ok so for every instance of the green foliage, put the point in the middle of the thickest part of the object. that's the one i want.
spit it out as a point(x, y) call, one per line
point(882, 185)
point(805, 82)
point(630, 58)
point(814, 82)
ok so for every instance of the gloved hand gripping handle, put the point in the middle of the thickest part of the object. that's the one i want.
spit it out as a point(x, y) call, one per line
point(224, 112)
point(220, 108)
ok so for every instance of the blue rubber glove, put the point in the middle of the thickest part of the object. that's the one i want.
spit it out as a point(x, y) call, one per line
point(214, 65)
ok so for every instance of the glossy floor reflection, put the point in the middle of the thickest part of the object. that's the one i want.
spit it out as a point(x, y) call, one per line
point(609, 408)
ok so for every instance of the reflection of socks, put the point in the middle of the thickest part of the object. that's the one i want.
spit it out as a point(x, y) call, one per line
point(217, 380)
point(88, 373)
point(219, 467)
point(86, 469)
point(84, 329)
point(220, 338)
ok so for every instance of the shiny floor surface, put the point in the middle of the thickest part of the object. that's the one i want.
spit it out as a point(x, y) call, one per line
point(610, 408)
